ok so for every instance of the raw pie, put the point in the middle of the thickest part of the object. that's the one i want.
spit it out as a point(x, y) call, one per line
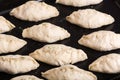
point(68, 72)
point(58, 54)
point(107, 64)
point(101, 40)
point(14, 64)
point(9, 43)
point(45, 32)
point(26, 77)
point(34, 11)
point(90, 18)
point(5, 25)
point(79, 3)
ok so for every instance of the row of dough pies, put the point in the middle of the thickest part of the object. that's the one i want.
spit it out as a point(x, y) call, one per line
point(59, 54)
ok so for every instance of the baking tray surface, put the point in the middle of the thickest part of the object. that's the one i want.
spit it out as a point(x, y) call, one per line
point(107, 6)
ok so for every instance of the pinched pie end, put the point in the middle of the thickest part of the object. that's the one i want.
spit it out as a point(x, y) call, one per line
point(9, 43)
point(5, 25)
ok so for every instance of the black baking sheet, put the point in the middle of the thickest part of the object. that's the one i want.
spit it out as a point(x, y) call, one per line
point(107, 6)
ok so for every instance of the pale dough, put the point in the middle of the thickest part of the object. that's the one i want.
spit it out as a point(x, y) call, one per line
point(14, 64)
point(79, 3)
point(5, 25)
point(68, 72)
point(34, 11)
point(90, 18)
point(45, 32)
point(106, 64)
point(59, 54)
point(101, 40)
point(26, 77)
point(9, 43)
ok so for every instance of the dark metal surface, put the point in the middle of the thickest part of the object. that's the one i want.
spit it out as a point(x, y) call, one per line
point(118, 3)
point(116, 78)
point(107, 6)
